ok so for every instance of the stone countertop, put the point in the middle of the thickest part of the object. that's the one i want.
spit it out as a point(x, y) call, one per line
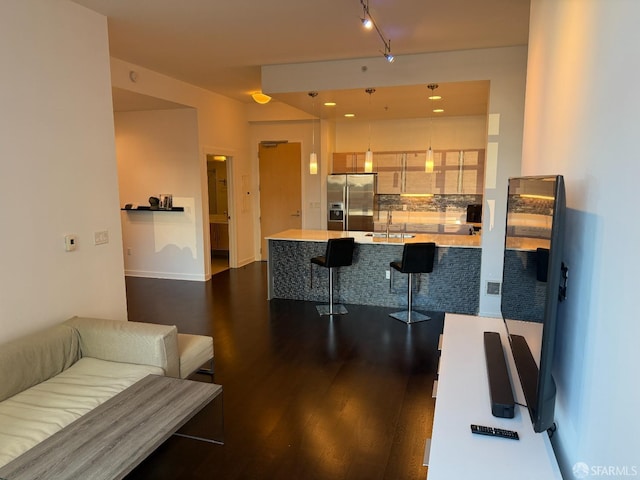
point(443, 240)
point(527, 243)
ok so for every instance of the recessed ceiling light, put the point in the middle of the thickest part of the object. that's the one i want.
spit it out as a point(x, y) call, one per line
point(329, 104)
point(349, 115)
point(435, 97)
point(438, 110)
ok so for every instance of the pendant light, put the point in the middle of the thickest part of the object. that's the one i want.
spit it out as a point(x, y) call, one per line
point(428, 164)
point(368, 157)
point(313, 157)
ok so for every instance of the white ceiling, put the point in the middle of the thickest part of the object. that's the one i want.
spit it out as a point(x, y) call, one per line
point(220, 45)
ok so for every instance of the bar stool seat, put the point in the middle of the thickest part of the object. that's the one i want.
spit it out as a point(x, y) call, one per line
point(339, 253)
point(416, 258)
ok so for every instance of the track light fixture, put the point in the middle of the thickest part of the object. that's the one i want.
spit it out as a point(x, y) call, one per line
point(368, 22)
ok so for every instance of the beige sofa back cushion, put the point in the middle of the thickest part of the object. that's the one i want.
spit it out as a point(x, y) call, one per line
point(129, 342)
point(30, 360)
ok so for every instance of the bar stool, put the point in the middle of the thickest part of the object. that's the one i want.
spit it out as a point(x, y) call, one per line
point(339, 254)
point(416, 258)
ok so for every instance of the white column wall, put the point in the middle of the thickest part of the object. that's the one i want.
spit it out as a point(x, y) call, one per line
point(582, 117)
point(59, 173)
point(157, 153)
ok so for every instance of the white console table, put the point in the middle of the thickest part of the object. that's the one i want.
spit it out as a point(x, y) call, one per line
point(463, 399)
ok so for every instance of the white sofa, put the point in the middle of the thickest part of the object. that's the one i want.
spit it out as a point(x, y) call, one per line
point(53, 377)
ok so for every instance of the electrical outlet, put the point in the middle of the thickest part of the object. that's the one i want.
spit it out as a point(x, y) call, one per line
point(100, 238)
point(387, 274)
point(493, 288)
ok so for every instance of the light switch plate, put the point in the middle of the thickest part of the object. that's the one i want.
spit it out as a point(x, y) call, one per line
point(70, 242)
point(100, 238)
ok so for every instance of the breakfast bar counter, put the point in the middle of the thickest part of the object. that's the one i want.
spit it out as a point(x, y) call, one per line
point(453, 286)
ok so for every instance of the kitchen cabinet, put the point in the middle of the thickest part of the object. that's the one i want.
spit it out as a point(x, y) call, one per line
point(454, 171)
point(352, 162)
point(416, 180)
point(461, 171)
point(219, 233)
point(388, 166)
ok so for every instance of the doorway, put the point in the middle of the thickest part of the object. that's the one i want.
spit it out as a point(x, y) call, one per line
point(217, 182)
point(280, 189)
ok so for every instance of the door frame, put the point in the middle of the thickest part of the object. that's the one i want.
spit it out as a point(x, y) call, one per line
point(231, 205)
point(256, 204)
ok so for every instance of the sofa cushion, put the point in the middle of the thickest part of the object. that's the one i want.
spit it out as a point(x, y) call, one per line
point(129, 342)
point(195, 351)
point(31, 416)
point(35, 358)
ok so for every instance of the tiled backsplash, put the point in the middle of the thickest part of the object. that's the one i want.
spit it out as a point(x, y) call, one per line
point(437, 203)
point(437, 214)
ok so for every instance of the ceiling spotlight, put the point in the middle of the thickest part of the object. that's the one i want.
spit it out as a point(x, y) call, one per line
point(368, 21)
point(366, 18)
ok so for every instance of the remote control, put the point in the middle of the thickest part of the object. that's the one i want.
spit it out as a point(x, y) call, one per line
point(494, 432)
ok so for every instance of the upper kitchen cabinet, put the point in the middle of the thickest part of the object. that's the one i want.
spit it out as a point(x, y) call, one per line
point(348, 162)
point(388, 166)
point(416, 180)
point(454, 171)
point(461, 171)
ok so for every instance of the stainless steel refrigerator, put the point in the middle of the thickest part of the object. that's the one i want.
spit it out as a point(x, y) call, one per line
point(351, 201)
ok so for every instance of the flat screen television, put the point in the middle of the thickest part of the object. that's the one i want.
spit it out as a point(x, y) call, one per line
point(534, 282)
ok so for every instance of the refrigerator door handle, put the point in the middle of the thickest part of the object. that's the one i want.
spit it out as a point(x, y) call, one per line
point(345, 198)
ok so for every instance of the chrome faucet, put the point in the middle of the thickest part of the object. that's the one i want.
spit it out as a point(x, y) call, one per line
point(388, 223)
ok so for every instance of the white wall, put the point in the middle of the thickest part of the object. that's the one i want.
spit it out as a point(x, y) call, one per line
point(222, 129)
point(58, 168)
point(157, 153)
point(582, 118)
point(505, 68)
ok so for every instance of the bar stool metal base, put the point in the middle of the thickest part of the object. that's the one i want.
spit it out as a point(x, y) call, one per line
point(331, 309)
point(409, 317)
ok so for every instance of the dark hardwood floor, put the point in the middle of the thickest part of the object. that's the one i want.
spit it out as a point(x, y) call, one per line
point(305, 397)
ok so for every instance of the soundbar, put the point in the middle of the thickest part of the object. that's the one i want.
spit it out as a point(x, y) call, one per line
point(502, 402)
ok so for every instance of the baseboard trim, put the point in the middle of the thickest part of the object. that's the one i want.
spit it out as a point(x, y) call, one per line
point(193, 277)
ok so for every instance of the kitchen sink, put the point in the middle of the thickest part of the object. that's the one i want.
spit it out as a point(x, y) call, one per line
point(391, 235)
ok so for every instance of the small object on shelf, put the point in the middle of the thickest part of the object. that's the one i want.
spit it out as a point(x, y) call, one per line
point(166, 201)
point(154, 202)
point(151, 209)
point(128, 206)
point(494, 432)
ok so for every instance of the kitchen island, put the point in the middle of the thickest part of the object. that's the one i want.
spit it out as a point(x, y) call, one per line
point(453, 286)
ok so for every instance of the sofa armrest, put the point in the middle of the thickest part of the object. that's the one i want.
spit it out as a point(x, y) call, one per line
point(129, 342)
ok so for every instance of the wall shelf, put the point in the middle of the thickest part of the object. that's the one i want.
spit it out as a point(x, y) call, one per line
point(149, 209)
